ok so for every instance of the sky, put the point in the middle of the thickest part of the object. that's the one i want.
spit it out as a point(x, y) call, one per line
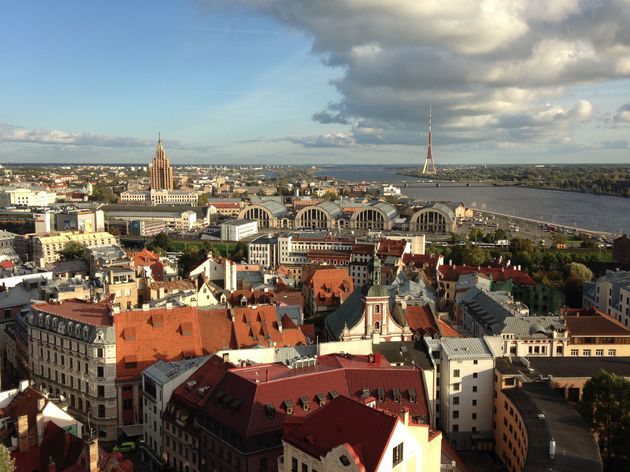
point(315, 81)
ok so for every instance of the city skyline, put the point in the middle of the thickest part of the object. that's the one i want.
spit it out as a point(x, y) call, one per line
point(305, 82)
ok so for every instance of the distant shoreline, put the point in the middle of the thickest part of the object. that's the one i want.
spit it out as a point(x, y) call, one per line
point(499, 183)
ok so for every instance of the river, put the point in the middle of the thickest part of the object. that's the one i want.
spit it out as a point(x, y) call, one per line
point(595, 212)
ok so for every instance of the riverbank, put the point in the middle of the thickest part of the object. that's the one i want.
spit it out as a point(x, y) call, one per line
point(500, 183)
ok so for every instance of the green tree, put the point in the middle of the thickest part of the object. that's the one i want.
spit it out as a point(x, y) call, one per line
point(521, 244)
point(577, 275)
point(330, 195)
point(7, 463)
point(605, 406)
point(161, 241)
point(500, 233)
point(475, 235)
point(73, 251)
point(203, 199)
point(474, 256)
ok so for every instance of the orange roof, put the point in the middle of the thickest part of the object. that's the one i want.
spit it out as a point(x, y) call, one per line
point(144, 257)
point(329, 286)
point(216, 330)
point(142, 337)
point(447, 331)
point(259, 326)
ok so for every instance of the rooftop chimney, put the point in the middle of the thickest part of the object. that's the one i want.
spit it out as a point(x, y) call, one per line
point(22, 431)
point(92, 452)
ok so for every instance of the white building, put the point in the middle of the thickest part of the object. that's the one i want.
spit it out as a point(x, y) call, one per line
point(236, 230)
point(158, 383)
point(263, 251)
point(160, 197)
point(10, 196)
point(611, 294)
point(465, 379)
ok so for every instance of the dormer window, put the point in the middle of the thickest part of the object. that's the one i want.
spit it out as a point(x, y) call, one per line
point(321, 399)
point(306, 404)
point(380, 393)
point(270, 411)
point(396, 394)
point(288, 406)
point(412, 395)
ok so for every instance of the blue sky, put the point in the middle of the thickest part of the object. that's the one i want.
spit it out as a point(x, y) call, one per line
point(300, 81)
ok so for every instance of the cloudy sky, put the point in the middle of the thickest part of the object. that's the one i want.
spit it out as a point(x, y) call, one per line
point(315, 81)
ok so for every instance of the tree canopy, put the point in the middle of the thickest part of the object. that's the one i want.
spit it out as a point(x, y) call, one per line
point(73, 251)
point(605, 406)
point(7, 463)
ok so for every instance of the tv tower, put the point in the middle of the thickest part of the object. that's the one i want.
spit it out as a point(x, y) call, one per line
point(429, 165)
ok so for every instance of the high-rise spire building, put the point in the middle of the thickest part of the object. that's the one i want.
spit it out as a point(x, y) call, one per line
point(161, 170)
point(429, 164)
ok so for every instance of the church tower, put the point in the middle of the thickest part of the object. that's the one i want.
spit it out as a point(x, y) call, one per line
point(161, 170)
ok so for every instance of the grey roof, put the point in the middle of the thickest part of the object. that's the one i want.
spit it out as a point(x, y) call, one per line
point(618, 279)
point(405, 352)
point(162, 371)
point(20, 295)
point(581, 367)
point(348, 314)
point(277, 209)
point(497, 313)
point(388, 209)
point(466, 348)
point(576, 448)
point(294, 312)
point(331, 208)
point(63, 267)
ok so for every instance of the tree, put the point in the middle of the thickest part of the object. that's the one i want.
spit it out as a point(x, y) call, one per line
point(499, 234)
point(161, 241)
point(474, 256)
point(203, 199)
point(475, 234)
point(605, 406)
point(7, 463)
point(577, 275)
point(73, 251)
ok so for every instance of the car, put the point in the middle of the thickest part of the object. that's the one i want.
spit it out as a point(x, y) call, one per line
point(127, 446)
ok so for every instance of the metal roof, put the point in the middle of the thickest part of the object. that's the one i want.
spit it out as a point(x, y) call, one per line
point(465, 348)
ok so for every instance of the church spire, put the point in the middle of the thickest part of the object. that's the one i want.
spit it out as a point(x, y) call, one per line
point(376, 267)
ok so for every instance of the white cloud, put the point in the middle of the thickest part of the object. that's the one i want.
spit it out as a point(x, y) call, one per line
point(18, 134)
point(486, 67)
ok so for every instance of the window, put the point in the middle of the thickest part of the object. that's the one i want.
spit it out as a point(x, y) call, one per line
point(456, 373)
point(599, 352)
point(397, 454)
point(455, 400)
point(99, 352)
point(574, 352)
point(586, 352)
point(612, 352)
point(456, 387)
point(474, 416)
point(455, 414)
point(456, 428)
point(475, 362)
point(474, 388)
point(294, 464)
point(100, 371)
point(475, 375)
point(100, 391)
point(474, 402)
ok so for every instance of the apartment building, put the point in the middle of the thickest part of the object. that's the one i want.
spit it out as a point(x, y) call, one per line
point(158, 383)
point(44, 249)
point(18, 196)
point(72, 352)
point(464, 380)
point(610, 293)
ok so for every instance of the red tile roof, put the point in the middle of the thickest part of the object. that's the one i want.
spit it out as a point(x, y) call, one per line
point(391, 247)
point(95, 314)
point(518, 277)
point(593, 323)
point(261, 390)
point(197, 389)
point(420, 320)
point(344, 421)
point(174, 337)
